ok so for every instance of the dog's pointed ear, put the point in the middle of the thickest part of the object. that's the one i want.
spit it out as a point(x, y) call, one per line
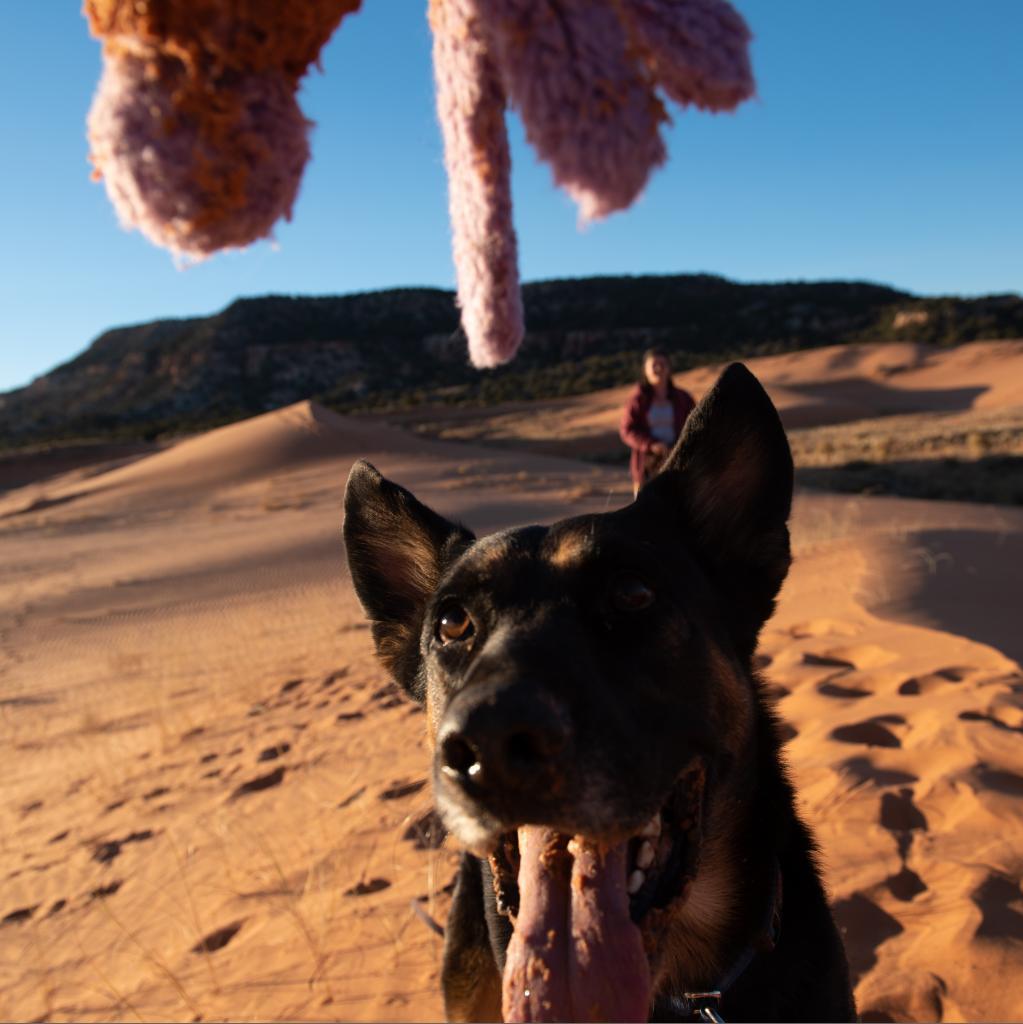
point(397, 551)
point(731, 475)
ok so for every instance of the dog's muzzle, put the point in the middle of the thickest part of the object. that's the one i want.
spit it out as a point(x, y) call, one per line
point(501, 745)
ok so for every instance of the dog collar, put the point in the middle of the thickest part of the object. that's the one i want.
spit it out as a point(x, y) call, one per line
point(705, 1006)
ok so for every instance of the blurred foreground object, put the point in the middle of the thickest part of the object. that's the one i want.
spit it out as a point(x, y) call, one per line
point(197, 133)
point(195, 127)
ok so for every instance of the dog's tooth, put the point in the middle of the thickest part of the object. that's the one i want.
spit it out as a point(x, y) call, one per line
point(645, 857)
point(652, 827)
point(636, 880)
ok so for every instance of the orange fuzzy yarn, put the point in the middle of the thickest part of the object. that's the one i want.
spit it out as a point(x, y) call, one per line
point(195, 126)
point(214, 36)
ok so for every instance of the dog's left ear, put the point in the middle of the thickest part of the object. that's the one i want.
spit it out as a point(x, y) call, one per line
point(731, 473)
point(397, 550)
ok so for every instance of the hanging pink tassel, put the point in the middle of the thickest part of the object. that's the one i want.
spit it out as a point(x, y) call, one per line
point(470, 105)
point(697, 50)
point(589, 110)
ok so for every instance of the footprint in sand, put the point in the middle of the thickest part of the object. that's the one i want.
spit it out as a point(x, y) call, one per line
point(386, 692)
point(994, 719)
point(154, 793)
point(873, 732)
point(843, 692)
point(399, 789)
point(900, 814)
point(826, 661)
point(1000, 902)
point(217, 939)
point(103, 891)
point(426, 832)
point(59, 836)
point(57, 907)
point(272, 753)
point(917, 685)
point(110, 849)
point(843, 664)
point(773, 691)
point(864, 926)
point(18, 916)
point(260, 782)
point(999, 780)
point(291, 684)
point(367, 887)
point(330, 682)
point(786, 732)
point(906, 885)
point(349, 716)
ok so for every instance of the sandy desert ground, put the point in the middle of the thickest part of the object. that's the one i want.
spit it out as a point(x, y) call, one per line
point(216, 805)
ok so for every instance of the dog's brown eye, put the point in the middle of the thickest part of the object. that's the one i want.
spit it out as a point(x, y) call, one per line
point(630, 594)
point(454, 624)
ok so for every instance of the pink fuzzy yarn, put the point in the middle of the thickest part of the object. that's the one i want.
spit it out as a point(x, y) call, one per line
point(697, 50)
point(588, 109)
point(470, 106)
point(162, 177)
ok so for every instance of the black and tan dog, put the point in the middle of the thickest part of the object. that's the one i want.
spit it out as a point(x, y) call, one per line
point(602, 744)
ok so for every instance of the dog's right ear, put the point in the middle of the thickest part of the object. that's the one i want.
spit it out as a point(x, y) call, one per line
point(730, 476)
point(397, 551)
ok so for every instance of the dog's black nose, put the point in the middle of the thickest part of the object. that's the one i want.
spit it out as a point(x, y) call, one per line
point(504, 742)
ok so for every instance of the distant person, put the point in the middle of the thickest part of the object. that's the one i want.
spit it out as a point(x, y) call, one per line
point(653, 418)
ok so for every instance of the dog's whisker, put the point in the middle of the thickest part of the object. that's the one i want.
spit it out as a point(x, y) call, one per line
point(426, 918)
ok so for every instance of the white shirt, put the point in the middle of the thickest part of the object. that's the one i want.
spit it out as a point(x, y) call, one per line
point(661, 418)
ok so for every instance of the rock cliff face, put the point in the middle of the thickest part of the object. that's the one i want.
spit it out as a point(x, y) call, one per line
point(404, 346)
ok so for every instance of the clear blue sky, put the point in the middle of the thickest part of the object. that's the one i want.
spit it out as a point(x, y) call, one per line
point(886, 144)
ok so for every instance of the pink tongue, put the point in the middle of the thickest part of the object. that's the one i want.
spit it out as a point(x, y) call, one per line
point(574, 955)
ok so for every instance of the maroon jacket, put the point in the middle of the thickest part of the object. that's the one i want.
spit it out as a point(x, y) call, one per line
point(635, 426)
